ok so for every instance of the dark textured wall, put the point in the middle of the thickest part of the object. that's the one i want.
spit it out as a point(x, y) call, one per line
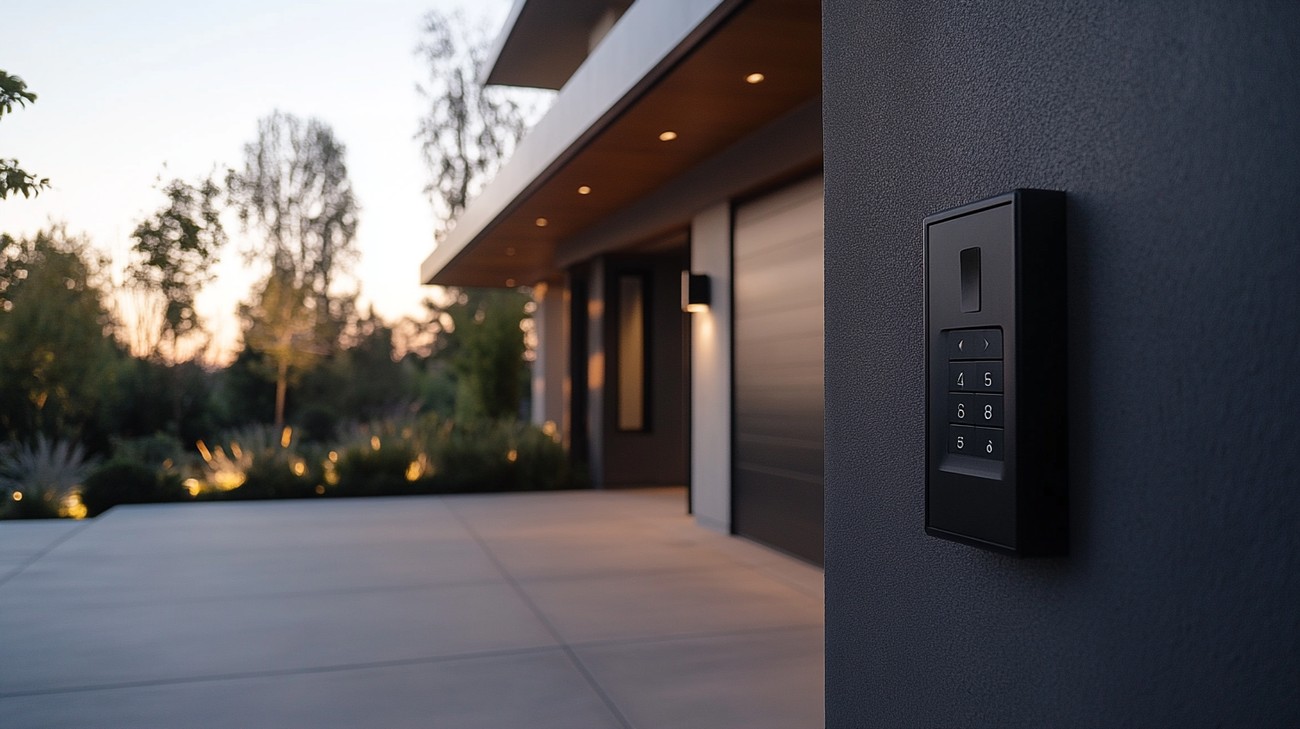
point(1175, 129)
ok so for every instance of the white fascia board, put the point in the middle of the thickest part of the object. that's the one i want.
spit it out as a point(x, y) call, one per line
point(649, 33)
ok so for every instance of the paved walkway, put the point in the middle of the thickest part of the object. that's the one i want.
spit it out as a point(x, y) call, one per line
point(567, 610)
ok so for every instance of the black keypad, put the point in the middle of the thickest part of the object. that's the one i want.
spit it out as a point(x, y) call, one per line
point(975, 393)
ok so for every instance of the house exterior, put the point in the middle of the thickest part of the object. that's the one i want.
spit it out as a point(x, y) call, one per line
point(686, 137)
point(1171, 129)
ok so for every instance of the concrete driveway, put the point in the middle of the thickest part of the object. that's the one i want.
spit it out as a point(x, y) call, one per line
point(567, 610)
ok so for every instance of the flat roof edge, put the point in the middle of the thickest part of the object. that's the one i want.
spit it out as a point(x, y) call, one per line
point(499, 44)
point(647, 41)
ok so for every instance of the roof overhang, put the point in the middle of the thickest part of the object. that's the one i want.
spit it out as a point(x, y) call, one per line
point(668, 65)
point(545, 41)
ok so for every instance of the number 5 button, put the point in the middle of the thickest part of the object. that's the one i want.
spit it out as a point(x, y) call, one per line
point(987, 377)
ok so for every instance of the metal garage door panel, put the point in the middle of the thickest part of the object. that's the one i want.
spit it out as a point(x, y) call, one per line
point(779, 340)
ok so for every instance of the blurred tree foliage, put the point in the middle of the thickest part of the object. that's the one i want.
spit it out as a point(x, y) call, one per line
point(173, 254)
point(284, 324)
point(486, 349)
point(14, 179)
point(64, 374)
point(294, 190)
point(57, 353)
point(467, 131)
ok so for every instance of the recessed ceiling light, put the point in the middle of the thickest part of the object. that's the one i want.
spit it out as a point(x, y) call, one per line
point(541, 222)
point(510, 282)
point(584, 190)
point(755, 78)
point(667, 136)
point(510, 251)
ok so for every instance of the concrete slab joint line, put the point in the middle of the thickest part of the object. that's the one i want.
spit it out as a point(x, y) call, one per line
point(470, 611)
point(577, 663)
point(69, 534)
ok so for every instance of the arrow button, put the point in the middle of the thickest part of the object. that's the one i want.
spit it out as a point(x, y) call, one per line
point(975, 344)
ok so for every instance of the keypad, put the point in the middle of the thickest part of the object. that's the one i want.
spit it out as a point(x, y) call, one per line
point(975, 392)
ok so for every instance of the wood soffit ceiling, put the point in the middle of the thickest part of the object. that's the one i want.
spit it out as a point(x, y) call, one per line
point(705, 99)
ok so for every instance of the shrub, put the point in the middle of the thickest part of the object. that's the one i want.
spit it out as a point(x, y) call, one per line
point(389, 457)
point(364, 470)
point(42, 479)
point(278, 474)
point(502, 455)
point(128, 482)
point(319, 424)
point(158, 451)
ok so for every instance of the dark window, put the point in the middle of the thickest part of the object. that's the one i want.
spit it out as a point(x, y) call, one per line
point(633, 384)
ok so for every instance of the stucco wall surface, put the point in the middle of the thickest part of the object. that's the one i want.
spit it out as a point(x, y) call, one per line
point(1173, 127)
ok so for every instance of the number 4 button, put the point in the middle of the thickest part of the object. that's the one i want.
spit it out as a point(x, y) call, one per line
point(964, 376)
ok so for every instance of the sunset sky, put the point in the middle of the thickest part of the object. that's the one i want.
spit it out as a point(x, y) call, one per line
point(134, 90)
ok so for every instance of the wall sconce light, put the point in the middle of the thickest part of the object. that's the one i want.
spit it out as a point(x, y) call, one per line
point(695, 291)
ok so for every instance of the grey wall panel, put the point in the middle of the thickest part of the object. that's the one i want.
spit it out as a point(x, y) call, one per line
point(1172, 128)
point(777, 259)
point(710, 375)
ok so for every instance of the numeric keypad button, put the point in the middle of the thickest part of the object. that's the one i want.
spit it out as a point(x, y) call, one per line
point(961, 440)
point(987, 443)
point(962, 409)
point(963, 376)
point(987, 376)
point(975, 344)
point(988, 410)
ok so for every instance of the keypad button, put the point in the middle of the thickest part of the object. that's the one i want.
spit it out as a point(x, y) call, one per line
point(975, 344)
point(988, 410)
point(987, 442)
point(988, 376)
point(962, 408)
point(963, 376)
point(961, 440)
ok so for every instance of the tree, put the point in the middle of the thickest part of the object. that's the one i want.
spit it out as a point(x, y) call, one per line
point(486, 347)
point(363, 381)
point(466, 134)
point(56, 338)
point(174, 251)
point(284, 324)
point(295, 190)
point(468, 130)
point(13, 178)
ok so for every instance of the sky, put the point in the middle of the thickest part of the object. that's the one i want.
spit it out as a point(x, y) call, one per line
point(134, 90)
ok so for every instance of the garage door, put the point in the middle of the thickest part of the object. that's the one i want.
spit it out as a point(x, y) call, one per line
point(777, 481)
